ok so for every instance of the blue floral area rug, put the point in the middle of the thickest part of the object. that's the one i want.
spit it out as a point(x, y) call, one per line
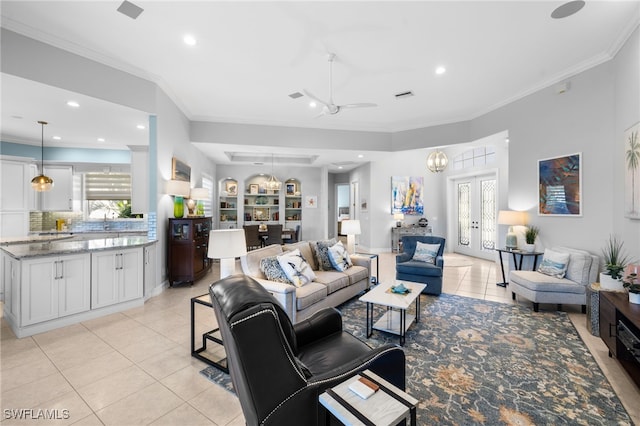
point(471, 361)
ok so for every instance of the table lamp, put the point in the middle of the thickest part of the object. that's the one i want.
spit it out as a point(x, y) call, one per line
point(179, 189)
point(195, 197)
point(399, 217)
point(511, 218)
point(351, 228)
point(226, 245)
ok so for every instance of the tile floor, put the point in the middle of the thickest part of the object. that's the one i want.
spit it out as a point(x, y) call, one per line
point(135, 367)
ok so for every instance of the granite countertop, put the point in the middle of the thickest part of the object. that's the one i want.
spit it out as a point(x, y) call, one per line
point(51, 248)
point(34, 238)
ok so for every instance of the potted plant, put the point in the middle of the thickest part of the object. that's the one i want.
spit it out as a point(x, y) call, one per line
point(530, 236)
point(632, 284)
point(615, 260)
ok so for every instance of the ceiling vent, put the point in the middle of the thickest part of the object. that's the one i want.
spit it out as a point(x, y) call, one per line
point(130, 9)
point(296, 95)
point(403, 95)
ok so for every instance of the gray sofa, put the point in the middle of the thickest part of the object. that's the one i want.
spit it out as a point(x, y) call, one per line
point(329, 289)
point(582, 270)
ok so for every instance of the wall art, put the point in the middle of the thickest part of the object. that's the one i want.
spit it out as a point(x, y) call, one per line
point(560, 186)
point(311, 202)
point(180, 170)
point(406, 195)
point(632, 172)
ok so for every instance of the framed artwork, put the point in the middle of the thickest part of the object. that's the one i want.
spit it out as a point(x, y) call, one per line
point(311, 202)
point(632, 172)
point(260, 213)
point(406, 195)
point(291, 188)
point(231, 187)
point(254, 188)
point(180, 171)
point(560, 186)
point(364, 207)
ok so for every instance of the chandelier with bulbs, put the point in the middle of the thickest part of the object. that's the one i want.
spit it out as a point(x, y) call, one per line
point(437, 161)
point(273, 183)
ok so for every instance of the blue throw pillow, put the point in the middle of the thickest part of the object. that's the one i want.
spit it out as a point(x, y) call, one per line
point(426, 252)
point(554, 263)
point(339, 257)
point(271, 269)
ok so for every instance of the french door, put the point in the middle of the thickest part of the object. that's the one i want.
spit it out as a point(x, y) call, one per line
point(475, 213)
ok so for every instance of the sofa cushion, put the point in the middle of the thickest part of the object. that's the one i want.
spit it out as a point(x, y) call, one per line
point(270, 267)
point(333, 280)
point(309, 294)
point(579, 264)
point(339, 257)
point(321, 251)
point(251, 261)
point(536, 281)
point(554, 263)
point(296, 268)
point(305, 251)
point(357, 273)
point(426, 252)
point(416, 267)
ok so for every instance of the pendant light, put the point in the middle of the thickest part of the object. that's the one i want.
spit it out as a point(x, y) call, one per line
point(437, 161)
point(273, 183)
point(42, 183)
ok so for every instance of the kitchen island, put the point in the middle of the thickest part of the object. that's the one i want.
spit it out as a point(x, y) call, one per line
point(60, 282)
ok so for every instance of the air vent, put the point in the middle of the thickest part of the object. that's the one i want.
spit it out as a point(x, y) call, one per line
point(130, 9)
point(403, 95)
point(296, 95)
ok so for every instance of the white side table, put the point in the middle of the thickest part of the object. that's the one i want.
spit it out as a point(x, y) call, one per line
point(388, 406)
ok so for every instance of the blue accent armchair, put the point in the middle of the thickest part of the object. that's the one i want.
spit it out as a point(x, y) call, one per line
point(408, 269)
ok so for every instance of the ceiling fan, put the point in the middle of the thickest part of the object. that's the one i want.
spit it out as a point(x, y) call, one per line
point(330, 108)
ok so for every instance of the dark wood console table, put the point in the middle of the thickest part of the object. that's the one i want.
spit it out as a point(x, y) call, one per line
point(618, 320)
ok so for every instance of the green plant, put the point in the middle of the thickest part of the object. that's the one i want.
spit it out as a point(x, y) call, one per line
point(631, 283)
point(531, 234)
point(615, 258)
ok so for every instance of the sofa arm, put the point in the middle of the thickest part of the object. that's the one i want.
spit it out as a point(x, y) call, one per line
point(359, 260)
point(387, 361)
point(285, 294)
point(402, 257)
point(440, 261)
point(321, 324)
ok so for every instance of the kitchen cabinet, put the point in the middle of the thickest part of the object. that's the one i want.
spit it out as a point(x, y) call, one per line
point(60, 197)
point(116, 276)
point(187, 249)
point(150, 277)
point(54, 287)
point(16, 197)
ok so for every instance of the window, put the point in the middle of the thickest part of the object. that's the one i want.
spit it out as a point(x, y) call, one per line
point(108, 195)
point(207, 183)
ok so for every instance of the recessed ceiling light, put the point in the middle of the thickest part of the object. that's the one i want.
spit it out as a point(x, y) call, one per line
point(100, 139)
point(58, 138)
point(73, 104)
point(360, 156)
point(189, 40)
point(567, 9)
point(339, 167)
point(140, 126)
point(312, 104)
point(441, 70)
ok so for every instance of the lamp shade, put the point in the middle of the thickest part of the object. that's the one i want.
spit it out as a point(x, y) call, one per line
point(511, 217)
point(178, 188)
point(350, 227)
point(226, 243)
point(199, 194)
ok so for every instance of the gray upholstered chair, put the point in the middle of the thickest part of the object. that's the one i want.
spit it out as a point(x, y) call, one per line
point(412, 270)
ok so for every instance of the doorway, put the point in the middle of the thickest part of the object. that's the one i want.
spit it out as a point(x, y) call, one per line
point(475, 205)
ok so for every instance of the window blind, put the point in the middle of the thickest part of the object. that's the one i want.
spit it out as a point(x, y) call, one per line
point(107, 186)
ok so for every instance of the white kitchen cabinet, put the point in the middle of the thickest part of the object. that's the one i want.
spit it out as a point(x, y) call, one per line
point(60, 197)
point(54, 287)
point(10, 280)
point(149, 270)
point(116, 276)
point(16, 197)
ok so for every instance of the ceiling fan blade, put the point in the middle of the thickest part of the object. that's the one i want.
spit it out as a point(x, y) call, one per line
point(359, 105)
point(314, 97)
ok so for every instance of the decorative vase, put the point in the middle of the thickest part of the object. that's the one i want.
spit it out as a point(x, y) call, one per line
point(178, 206)
point(634, 298)
point(608, 283)
point(529, 248)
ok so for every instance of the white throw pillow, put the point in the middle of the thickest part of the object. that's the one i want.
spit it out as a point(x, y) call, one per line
point(339, 257)
point(426, 252)
point(296, 268)
point(554, 263)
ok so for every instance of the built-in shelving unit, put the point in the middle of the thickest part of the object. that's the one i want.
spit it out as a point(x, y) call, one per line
point(228, 204)
point(261, 205)
point(292, 203)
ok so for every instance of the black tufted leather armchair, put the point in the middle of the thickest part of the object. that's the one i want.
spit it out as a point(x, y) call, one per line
point(278, 369)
